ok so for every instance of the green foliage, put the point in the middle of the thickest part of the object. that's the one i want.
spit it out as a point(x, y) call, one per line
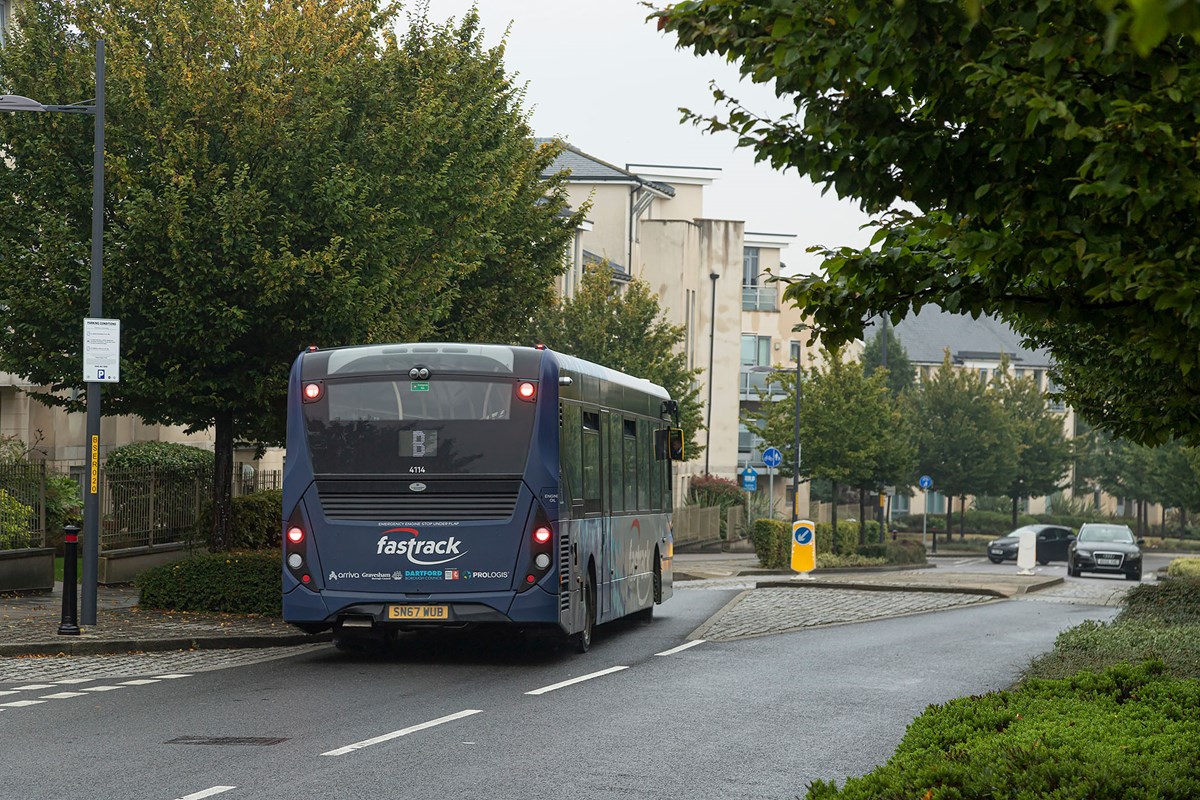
point(849, 561)
point(256, 520)
point(1184, 568)
point(15, 517)
point(625, 329)
point(965, 440)
point(895, 552)
point(1125, 733)
point(1173, 602)
point(711, 490)
point(847, 538)
point(1043, 452)
point(314, 177)
point(158, 455)
point(232, 583)
point(900, 371)
point(1024, 164)
point(772, 540)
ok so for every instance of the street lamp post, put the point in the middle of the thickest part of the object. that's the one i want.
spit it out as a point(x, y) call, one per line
point(91, 497)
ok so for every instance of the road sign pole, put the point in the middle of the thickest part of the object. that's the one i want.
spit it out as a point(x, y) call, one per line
point(771, 489)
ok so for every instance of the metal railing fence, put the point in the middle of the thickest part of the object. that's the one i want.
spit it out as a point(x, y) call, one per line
point(22, 505)
point(145, 506)
point(696, 524)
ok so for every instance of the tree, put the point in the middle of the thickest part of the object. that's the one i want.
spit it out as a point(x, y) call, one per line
point(852, 431)
point(1125, 469)
point(900, 370)
point(624, 329)
point(963, 436)
point(1020, 166)
point(278, 175)
point(1043, 451)
point(1175, 479)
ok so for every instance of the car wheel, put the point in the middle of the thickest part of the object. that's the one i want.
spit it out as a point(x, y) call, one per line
point(1071, 571)
point(1133, 576)
point(995, 560)
point(1043, 561)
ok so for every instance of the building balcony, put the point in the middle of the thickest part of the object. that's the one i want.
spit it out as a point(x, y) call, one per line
point(753, 385)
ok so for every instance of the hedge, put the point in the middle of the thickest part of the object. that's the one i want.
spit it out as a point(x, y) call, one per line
point(256, 521)
point(234, 583)
point(160, 455)
point(1184, 568)
point(1124, 734)
point(772, 541)
point(14, 522)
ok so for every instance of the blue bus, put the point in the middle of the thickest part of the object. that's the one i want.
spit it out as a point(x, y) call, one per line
point(461, 485)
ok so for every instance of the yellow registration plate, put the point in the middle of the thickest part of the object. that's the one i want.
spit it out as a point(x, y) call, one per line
point(418, 612)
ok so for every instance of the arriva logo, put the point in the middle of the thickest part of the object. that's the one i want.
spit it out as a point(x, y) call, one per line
point(414, 547)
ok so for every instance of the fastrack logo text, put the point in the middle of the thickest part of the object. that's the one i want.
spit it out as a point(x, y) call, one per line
point(414, 548)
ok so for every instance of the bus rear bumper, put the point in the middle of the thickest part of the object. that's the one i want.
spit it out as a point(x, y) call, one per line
point(307, 609)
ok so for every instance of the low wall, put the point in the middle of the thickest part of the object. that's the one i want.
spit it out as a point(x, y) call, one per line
point(30, 569)
point(122, 566)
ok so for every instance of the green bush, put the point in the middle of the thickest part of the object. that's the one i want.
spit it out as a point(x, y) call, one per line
point(256, 521)
point(232, 583)
point(905, 552)
point(1096, 646)
point(1184, 568)
point(847, 538)
point(772, 540)
point(159, 455)
point(1127, 733)
point(15, 518)
point(830, 561)
point(1173, 602)
point(709, 490)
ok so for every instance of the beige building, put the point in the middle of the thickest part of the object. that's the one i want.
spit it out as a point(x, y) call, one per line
point(710, 275)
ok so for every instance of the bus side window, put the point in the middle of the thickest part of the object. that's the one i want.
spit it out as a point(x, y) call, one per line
point(571, 454)
point(630, 451)
point(615, 468)
point(591, 461)
point(655, 478)
point(645, 472)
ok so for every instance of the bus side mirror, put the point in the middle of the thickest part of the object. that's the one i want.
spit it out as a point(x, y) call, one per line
point(668, 444)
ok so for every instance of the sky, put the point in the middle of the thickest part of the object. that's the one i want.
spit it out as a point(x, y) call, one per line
point(603, 79)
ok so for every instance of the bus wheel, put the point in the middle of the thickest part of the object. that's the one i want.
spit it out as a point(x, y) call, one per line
point(647, 614)
point(582, 641)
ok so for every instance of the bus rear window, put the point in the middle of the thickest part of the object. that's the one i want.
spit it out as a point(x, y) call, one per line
point(382, 426)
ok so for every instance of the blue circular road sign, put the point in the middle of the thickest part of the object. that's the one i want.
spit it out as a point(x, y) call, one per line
point(803, 534)
point(772, 457)
point(925, 482)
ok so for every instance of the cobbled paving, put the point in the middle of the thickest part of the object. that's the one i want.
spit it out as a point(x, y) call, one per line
point(134, 665)
point(777, 610)
point(1081, 591)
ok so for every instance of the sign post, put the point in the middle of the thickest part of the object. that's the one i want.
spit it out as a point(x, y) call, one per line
point(772, 458)
point(804, 546)
point(926, 483)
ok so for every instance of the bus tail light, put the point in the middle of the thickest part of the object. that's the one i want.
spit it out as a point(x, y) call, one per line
point(541, 543)
point(295, 534)
point(295, 549)
point(527, 391)
point(312, 391)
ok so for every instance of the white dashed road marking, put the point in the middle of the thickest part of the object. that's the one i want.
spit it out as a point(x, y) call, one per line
point(387, 737)
point(206, 793)
point(21, 703)
point(103, 688)
point(680, 649)
point(580, 679)
point(62, 695)
point(139, 682)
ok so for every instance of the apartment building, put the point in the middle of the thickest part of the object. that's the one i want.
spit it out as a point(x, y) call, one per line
point(711, 277)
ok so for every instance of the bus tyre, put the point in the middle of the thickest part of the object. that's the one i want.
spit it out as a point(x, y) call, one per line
point(582, 641)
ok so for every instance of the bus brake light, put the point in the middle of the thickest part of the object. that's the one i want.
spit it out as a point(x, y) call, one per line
point(312, 392)
point(295, 535)
point(541, 535)
point(526, 391)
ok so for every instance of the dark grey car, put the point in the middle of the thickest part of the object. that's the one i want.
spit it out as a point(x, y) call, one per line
point(1102, 547)
point(1052, 544)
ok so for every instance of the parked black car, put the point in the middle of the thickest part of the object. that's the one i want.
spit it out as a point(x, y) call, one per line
point(1107, 548)
point(1052, 544)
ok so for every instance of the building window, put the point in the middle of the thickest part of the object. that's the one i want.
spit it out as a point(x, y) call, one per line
point(749, 265)
point(900, 504)
point(794, 353)
point(756, 350)
point(3, 21)
point(1019, 374)
point(983, 374)
point(1037, 378)
point(1051, 387)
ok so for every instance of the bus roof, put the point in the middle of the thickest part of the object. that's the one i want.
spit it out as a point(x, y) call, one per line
point(473, 358)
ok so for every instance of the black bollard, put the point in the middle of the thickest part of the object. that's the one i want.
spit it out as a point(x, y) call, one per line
point(70, 610)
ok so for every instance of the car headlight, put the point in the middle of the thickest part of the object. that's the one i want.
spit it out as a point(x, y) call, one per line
point(1134, 557)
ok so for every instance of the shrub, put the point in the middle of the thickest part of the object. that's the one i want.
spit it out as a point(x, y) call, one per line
point(1184, 568)
point(159, 455)
point(15, 517)
point(1129, 732)
point(256, 521)
point(847, 538)
point(709, 490)
point(1174, 602)
point(233, 583)
point(830, 561)
point(905, 552)
point(772, 540)
point(1096, 646)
